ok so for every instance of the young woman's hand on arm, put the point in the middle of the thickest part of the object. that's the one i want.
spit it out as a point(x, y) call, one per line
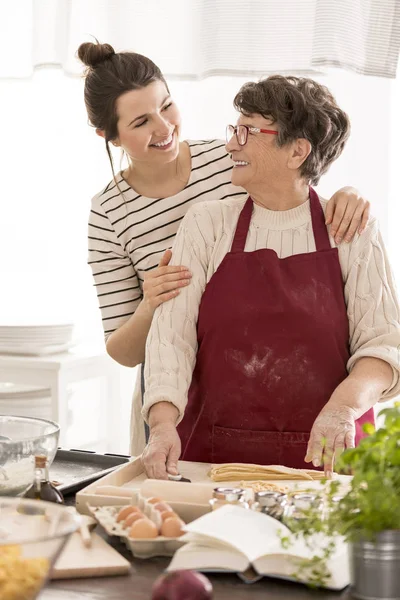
point(127, 344)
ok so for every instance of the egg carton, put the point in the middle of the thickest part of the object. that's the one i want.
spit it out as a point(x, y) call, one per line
point(106, 516)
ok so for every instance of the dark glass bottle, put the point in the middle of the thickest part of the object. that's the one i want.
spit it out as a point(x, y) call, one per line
point(42, 488)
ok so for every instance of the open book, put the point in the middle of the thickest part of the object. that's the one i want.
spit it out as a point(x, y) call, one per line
point(234, 539)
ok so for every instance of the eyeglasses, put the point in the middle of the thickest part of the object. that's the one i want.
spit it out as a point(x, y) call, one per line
point(242, 133)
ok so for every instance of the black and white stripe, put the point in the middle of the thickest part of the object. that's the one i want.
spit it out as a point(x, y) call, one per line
point(128, 235)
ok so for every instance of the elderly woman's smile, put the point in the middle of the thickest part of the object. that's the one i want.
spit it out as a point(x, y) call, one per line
point(262, 162)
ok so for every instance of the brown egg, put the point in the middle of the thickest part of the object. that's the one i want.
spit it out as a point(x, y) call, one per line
point(168, 513)
point(130, 519)
point(143, 529)
point(125, 511)
point(162, 506)
point(172, 527)
point(154, 500)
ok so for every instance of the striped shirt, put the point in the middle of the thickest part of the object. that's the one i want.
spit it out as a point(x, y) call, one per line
point(128, 235)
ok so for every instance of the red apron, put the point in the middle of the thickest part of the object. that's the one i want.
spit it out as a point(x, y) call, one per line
point(273, 344)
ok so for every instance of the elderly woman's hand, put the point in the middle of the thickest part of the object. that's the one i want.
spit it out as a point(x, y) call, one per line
point(163, 449)
point(334, 428)
point(348, 213)
point(332, 432)
point(162, 452)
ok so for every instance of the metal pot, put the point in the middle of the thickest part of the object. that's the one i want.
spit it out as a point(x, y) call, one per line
point(375, 567)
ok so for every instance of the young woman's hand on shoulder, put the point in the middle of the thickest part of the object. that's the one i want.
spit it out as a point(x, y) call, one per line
point(348, 213)
point(164, 282)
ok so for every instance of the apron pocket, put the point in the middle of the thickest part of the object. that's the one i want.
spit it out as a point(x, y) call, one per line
point(259, 447)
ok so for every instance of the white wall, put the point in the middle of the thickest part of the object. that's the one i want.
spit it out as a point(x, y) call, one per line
point(52, 163)
point(394, 180)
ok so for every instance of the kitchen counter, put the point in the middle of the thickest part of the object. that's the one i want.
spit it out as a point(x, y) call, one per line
point(137, 585)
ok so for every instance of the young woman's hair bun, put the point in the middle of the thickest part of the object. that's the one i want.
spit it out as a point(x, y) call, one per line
point(93, 55)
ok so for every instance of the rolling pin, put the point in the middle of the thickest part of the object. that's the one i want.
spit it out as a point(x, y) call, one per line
point(175, 491)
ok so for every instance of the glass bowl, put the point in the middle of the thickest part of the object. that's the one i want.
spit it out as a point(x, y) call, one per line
point(21, 439)
point(32, 535)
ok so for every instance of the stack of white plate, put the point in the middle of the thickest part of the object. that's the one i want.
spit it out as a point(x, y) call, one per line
point(35, 339)
point(25, 400)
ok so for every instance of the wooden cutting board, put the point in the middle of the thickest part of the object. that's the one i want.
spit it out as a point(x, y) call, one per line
point(99, 560)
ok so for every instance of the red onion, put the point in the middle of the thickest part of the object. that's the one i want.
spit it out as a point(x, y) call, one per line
point(182, 585)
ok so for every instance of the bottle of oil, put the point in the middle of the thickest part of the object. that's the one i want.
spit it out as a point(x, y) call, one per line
point(42, 488)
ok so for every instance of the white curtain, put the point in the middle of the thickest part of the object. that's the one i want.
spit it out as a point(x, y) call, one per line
point(198, 38)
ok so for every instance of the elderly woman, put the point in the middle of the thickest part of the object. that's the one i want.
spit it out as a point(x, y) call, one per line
point(282, 345)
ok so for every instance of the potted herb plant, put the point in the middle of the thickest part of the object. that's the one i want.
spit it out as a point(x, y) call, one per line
point(367, 515)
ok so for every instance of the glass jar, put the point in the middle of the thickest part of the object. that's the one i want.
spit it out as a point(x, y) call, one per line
point(270, 503)
point(225, 495)
point(331, 505)
point(301, 504)
point(42, 488)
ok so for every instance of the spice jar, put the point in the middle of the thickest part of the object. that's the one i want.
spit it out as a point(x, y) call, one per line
point(331, 504)
point(42, 488)
point(225, 495)
point(270, 503)
point(302, 504)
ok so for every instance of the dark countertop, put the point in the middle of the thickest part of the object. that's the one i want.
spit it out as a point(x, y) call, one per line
point(137, 585)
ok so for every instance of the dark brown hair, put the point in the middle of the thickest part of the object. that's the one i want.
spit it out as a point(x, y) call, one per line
point(301, 108)
point(108, 76)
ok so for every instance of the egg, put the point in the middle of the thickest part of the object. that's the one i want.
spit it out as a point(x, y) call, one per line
point(154, 500)
point(162, 506)
point(143, 529)
point(134, 516)
point(125, 511)
point(172, 527)
point(168, 513)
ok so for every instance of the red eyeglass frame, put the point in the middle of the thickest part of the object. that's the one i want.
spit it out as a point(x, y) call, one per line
point(233, 129)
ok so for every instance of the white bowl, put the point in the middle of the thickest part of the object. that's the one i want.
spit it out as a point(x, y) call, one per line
point(21, 439)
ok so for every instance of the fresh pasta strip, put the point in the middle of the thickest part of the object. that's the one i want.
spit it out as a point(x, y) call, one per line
point(249, 472)
point(263, 486)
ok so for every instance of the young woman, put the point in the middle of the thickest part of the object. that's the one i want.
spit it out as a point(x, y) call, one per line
point(134, 219)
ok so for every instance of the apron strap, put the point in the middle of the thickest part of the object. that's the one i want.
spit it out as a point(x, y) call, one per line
point(242, 227)
point(318, 223)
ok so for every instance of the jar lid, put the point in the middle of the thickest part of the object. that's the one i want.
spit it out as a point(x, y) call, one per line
point(308, 496)
point(268, 498)
point(228, 494)
point(306, 500)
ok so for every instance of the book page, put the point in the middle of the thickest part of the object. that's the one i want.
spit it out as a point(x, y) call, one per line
point(205, 540)
point(286, 563)
point(232, 538)
point(206, 558)
point(251, 533)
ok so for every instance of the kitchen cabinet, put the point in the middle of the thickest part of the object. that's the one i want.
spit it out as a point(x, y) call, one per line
point(84, 386)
